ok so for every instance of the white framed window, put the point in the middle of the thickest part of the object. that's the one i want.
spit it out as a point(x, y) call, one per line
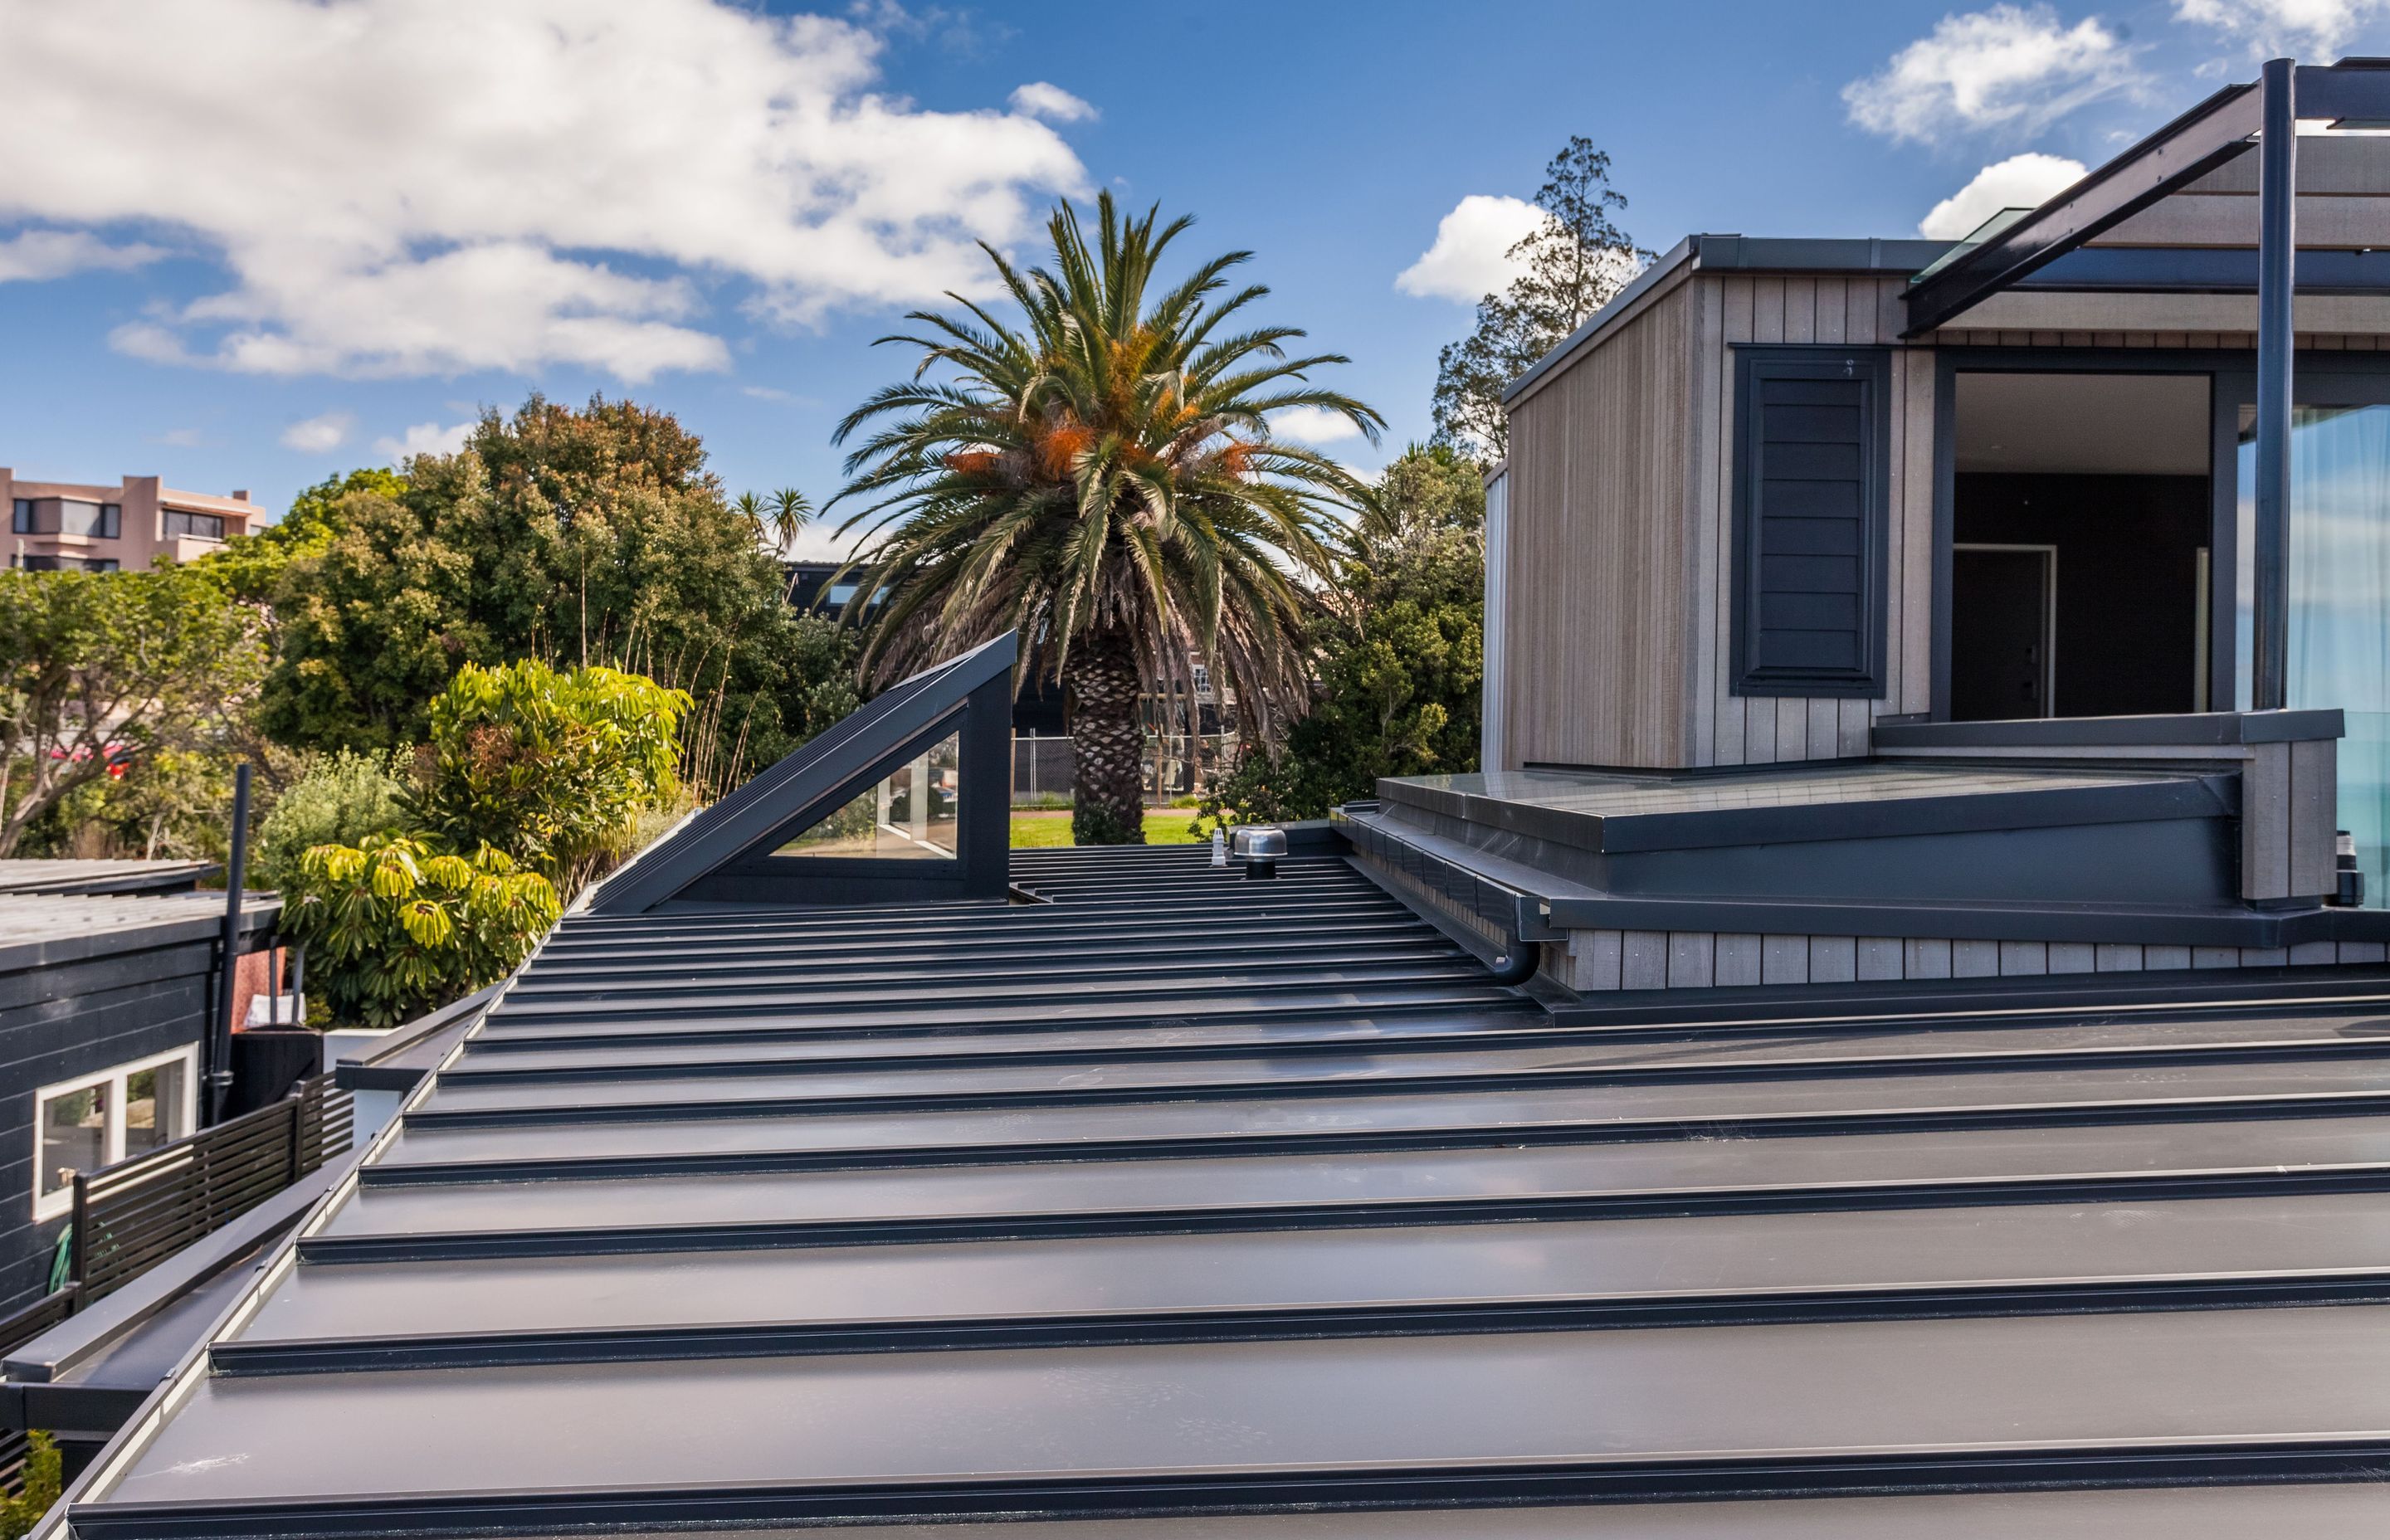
point(101, 1118)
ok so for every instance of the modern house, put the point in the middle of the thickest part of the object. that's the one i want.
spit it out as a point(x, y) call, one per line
point(57, 525)
point(105, 1000)
point(1689, 1129)
point(1915, 609)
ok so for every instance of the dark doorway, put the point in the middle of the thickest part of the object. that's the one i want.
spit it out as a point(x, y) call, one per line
point(2124, 630)
point(2001, 605)
point(2085, 500)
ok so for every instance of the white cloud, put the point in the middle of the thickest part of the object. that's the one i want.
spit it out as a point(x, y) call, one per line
point(765, 393)
point(55, 253)
point(2019, 181)
point(319, 435)
point(1039, 99)
point(432, 187)
point(424, 438)
point(2314, 28)
point(2017, 69)
point(1313, 425)
point(1470, 257)
point(182, 438)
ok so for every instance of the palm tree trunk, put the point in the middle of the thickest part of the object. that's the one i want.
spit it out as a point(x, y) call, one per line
point(1107, 797)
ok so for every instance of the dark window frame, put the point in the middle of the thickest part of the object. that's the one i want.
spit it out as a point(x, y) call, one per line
point(183, 523)
point(1752, 675)
point(22, 520)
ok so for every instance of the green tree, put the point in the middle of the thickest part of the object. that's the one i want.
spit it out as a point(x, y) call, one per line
point(551, 769)
point(1399, 649)
point(101, 672)
point(1572, 265)
point(394, 930)
point(592, 536)
point(1101, 478)
point(790, 511)
point(339, 798)
point(249, 566)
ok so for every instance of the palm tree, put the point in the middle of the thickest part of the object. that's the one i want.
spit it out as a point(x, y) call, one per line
point(1103, 479)
point(790, 511)
point(751, 507)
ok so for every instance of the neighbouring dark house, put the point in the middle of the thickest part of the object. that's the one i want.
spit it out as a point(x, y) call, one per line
point(104, 1002)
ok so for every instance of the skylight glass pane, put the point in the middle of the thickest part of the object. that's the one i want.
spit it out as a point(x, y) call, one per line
point(908, 816)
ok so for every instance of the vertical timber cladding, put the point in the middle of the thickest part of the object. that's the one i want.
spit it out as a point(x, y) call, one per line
point(1600, 595)
point(1807, 309)
point(1619, 624)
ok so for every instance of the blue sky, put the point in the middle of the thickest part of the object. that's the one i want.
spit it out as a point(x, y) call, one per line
point(248, 243)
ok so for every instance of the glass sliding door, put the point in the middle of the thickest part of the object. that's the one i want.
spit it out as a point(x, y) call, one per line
point(2339, 652)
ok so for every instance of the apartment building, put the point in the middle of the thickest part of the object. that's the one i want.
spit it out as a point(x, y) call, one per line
point(58, 526)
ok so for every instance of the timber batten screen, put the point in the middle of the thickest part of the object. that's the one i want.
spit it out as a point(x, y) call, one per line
point(1811, 519)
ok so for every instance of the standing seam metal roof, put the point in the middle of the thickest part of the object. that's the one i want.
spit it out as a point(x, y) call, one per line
point(1179, 1201)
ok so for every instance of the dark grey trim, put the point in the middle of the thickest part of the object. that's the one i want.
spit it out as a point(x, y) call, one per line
point(2191, 730)
point(1945, 531)
point(803, 785)
point(1809, 255)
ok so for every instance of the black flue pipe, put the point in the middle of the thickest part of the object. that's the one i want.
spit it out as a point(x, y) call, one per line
point(219, 1076)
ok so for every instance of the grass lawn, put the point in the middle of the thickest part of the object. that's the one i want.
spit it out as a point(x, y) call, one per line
point(1164, 825)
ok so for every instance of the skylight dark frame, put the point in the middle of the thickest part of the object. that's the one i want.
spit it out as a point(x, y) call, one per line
point(723, 854)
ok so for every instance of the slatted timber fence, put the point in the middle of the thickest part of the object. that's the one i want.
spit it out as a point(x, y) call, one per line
point(130, 1216)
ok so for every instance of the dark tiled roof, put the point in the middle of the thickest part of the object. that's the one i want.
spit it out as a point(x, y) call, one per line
point(1181, 1194)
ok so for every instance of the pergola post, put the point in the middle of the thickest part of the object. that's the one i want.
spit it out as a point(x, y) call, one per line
point(2277, 246)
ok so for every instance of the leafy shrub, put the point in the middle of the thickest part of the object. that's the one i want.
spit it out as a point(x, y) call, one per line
point(393, 931)
point(552, 769)
point(341, 799)
point(45, 1480)
point(1092, 823)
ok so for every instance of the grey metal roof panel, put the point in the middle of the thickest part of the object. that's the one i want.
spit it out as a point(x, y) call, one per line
point(1449, 1026)
point(1622, 1263)
point(2355, 1511)
point(1684, 1168)
point(1490, 1102)
point(1766, 1399)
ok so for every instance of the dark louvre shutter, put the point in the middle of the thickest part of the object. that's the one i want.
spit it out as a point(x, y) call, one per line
point(1811, 509)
